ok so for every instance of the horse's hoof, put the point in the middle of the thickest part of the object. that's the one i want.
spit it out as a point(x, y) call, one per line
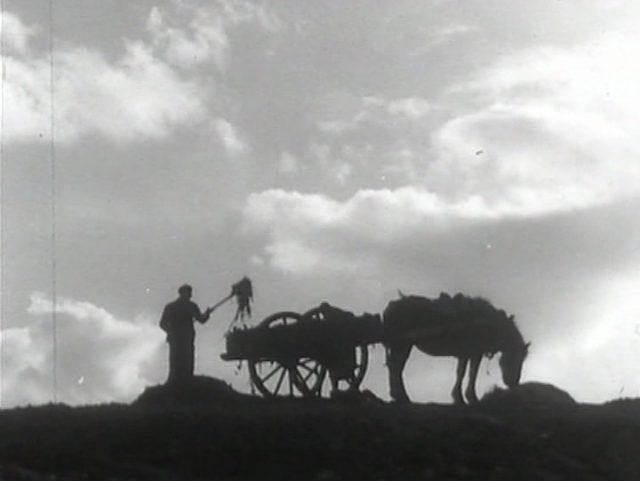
point(457, 398)
point(472, 399)
point(400, 399)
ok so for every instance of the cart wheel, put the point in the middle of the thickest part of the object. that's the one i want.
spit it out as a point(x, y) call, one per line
point(362, 352)
point(286, 377)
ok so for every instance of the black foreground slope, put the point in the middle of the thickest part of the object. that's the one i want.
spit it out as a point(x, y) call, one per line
point(535, 432)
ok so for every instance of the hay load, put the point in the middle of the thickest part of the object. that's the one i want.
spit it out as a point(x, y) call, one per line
point(528, 396)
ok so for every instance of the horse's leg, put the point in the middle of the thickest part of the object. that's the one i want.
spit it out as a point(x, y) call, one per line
point(470, 392)
point(335, 388)
point(457, 387)
point(397, 356)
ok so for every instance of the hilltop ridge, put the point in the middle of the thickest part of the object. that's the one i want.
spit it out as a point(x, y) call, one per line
point(533, 432)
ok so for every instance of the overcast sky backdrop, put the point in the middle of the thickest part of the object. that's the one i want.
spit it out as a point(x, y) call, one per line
point(331, 151)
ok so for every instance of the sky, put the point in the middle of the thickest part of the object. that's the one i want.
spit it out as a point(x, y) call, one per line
point(331, 151)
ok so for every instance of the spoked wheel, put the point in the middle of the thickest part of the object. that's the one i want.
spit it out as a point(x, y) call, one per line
point(286, 376)
point(362, 352)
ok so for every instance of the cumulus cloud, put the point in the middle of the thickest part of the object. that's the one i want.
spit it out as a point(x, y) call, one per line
point(26, 377)
point(309, 231)
point(137, 96)
point(373, 110)
point(415, 236)
point(546, 129)
point(411, 107)
point(205, 41)
point(380, 109)
point(541, 130)
point(143, 93)
point(374, 138)
point(190, 34)
point(229, 137)
point(101, 358)
point(15, 33)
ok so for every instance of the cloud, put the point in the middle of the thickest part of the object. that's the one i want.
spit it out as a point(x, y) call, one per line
point(25, 372)
point(289, 164)
point(371, 110)
point(144, 93)
point(442, 35)
point(189, 35)
point(593, 364)
point(411, 107)
point(229, 136)
point(371, 138)
point(545, 129)
point(309, 231)
point(376, 108)
point(446, 32)
point(203, 41)
point(101, 358)
point(420, 29)
point(136, 97)
point(408, 237)
point(16, 34)
point(542, 130)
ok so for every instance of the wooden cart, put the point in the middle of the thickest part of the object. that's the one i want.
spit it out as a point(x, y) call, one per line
point(291, 354)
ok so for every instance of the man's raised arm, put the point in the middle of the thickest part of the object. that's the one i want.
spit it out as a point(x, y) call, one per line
point(201, 317)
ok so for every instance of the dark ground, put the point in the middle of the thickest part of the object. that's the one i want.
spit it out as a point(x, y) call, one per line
point(535, 432)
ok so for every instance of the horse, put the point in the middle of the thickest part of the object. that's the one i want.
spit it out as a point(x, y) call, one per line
point(467, 328)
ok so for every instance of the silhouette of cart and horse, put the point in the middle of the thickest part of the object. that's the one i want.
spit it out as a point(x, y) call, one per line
point(292, 354)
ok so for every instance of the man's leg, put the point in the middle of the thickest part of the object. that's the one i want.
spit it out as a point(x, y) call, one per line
point(174, 362)
point(181, 361)
point(189, 359)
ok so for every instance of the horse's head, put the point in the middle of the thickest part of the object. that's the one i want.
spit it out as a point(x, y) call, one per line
point(511, 362)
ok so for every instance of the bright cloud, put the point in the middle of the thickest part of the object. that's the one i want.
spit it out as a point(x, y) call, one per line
point(229, 136)
point(354, 114)
point(138, 96)
point(542, 130)
point(142, 94)
point(601, 347)
point(16, 34)
point(369, 138)
point(25, 371)
point(206, 41)
point(101, 358)
point(191, 35)
point(307, 230)
point(411, 107)
point(548, 129)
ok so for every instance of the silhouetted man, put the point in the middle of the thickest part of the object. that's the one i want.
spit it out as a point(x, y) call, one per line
point(177, 321)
